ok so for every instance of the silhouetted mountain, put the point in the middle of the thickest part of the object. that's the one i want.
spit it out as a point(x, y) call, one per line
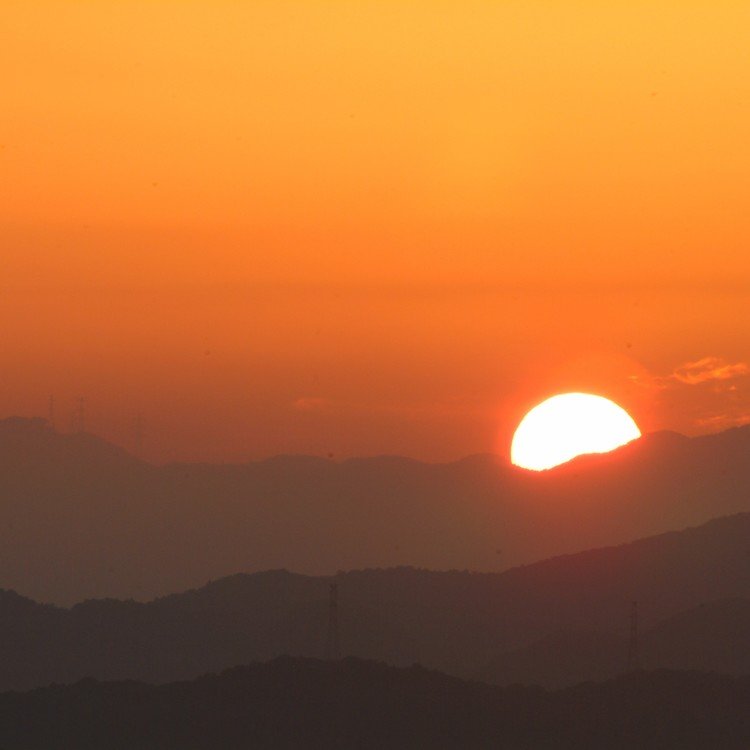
point(712, 637)
point(295, 703)
point(82, 518)
point(30, 443)
point(463, 623)
point(565, 657)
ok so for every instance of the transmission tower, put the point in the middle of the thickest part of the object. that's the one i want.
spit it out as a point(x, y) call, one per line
point(332, 641)
point(633, 656)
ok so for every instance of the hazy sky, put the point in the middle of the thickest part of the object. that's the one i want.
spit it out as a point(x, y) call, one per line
point(372, 227)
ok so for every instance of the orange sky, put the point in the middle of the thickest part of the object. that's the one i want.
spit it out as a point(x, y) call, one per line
point(355, 228)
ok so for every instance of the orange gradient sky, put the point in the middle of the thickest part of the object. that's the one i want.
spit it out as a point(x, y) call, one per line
point(355, 228)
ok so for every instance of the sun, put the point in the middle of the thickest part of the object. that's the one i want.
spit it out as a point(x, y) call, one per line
point(569, 425)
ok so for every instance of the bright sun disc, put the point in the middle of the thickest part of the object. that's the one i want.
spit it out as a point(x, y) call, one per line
point(569, 425)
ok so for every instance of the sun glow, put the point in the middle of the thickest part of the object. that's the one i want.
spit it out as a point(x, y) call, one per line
point(570, 425)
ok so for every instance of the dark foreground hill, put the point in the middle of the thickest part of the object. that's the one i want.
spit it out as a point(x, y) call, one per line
point(714, 637)
point(502, 626)
point(295, 703)
point(81, 518)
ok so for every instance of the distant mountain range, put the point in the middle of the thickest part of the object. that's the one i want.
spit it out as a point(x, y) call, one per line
point(82, 518)
point(298, 703)
point(555, 622)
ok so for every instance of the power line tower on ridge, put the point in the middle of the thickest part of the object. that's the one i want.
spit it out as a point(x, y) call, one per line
point(333, 650)
point(633, 656)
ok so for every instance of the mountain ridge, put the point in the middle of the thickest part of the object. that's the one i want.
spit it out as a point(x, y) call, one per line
point(460, 622)
point(292, 702)
point(86, 520)
point(19, 426)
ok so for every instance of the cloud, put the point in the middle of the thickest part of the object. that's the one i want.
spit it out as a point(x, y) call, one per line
point(709, 369)
point(705, 370)
point(723, 421)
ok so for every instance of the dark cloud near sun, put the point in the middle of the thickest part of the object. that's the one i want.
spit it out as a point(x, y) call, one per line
point(724, 421)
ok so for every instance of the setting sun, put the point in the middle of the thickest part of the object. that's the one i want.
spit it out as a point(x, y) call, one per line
point(570, 425)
